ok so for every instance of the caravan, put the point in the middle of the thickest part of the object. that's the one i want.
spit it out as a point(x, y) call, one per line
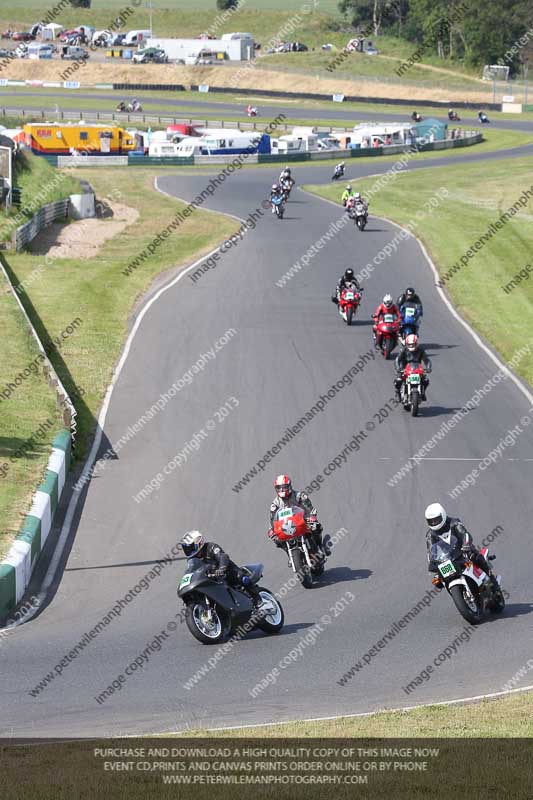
point(224, 141)
point(136, 37)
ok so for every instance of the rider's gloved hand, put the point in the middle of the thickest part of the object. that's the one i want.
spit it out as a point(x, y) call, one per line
point(219, 573)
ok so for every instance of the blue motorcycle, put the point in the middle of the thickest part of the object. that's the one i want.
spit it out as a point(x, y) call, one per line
point(278, 203)
point(410, 314)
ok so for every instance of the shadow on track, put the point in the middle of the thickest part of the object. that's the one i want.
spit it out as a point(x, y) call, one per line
point(340, 575)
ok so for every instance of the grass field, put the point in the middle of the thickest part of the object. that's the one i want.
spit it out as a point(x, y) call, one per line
point(477, 197)
point(97, 292)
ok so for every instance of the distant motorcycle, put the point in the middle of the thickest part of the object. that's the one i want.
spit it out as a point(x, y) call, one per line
point(278, 205)
point(410, 313)
point(339, 172)
point(359, 215)
point(469, 586)
point(251, 111)
point(349, 301)
point(410, 395)
point(214, 610)
point(453, 116)
point(388, 327)
point(415, 116)
point(293, 528)
point(482, 117)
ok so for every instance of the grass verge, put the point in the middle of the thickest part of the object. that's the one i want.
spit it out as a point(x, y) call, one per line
point(477, 197)
point(510, 716)
point(23, 410)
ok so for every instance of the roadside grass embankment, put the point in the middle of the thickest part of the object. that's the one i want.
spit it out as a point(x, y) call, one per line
point(510, 716)
point(478, 196)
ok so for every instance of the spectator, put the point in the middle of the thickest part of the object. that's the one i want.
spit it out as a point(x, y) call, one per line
point(388, 139)
point(375, 143)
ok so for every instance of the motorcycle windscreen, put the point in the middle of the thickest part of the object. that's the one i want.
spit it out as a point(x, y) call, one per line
point(290, 522)
point(444, 551)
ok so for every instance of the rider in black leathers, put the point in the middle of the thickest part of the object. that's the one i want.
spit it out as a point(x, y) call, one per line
point(287, 496)
point(409, 296)
point(347, 277)
point(408, 355)
point(198, 550)
point(442, 524)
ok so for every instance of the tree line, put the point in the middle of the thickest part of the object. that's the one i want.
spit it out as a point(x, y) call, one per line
point(476, 32)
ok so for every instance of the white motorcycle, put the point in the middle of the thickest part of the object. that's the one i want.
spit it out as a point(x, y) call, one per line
point(469, 586)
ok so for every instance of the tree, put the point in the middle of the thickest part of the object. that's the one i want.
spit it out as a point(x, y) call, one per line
point(375, 14)
point(223, 5)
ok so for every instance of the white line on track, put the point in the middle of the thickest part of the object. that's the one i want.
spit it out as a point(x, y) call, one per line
point(460, 700)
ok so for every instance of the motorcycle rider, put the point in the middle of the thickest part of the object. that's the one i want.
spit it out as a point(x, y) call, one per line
point(386, 307)
point(275, 192)
point(286, 496)
point(348, 192)
point(347, 277)
point(196, 547)
point(413, 352)
point(121, 106)
point(358, 199)
point(439, 526)
point(409, 296)
point(286, 181)
point(339, 170)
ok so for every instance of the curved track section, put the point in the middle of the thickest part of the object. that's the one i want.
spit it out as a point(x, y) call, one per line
point(290, 347)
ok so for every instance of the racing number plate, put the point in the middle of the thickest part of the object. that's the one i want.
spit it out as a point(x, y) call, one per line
point(286, 512)
point(446, 568)
point(414, 378)
point(348, 296)
point(186, 580)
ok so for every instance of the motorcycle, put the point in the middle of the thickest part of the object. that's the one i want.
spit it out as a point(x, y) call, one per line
point(483, 118)
point(349, 301)
point(453, 116)
point(286, 187)
point(415, 116)
point(121, 106)
point(214, 609)
point(410, 394)
point(134, 107)
point(410, 320)
point(305, 558)
point(469, 586)
point(388, 327)
point(358, 214)
point(278, 204)
point(251, 111)
point(339, 173)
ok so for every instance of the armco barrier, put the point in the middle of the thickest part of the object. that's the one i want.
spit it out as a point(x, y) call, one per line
point(17, 567)
point(154, 87)
point(146, 161)
point(268, 158)
point(47, 214)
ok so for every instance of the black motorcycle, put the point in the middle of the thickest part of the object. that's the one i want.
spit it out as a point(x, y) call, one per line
point(215, 610)
point(339, 173)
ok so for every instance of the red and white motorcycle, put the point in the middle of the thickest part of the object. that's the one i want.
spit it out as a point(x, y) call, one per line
point(469, 586)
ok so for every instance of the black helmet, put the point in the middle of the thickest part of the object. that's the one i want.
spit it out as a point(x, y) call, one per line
point(409, 292)
point(348, 275)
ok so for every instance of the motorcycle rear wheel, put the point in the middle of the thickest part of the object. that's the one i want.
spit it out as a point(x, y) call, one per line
point(302, 570)
point(213, 633)
point(464, 605)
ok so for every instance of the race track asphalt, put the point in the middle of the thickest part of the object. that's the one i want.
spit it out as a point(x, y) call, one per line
point(289, 348)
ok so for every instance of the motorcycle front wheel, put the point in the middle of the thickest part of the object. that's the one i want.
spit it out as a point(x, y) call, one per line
point(273, 621)
point(349, 315)
point(388, 346)
point(415, 400)
point(466, 604)
point(208, 628)
point(302, 570)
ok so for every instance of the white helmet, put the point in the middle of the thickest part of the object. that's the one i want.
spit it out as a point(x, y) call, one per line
point(349, 188)
point(357, 196)
point(387, 301)
point(435, 516)
point(192, 543)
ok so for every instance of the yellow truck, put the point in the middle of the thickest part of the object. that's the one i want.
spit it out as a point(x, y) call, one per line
point(78, 138)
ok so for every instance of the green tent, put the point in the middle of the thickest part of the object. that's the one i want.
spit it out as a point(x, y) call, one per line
point(431, 126)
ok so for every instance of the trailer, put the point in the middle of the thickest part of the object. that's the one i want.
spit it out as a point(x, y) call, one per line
point(53, 138)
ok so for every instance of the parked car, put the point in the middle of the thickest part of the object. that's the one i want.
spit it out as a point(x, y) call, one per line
point(23, 36)
point(74, 53)
point(150, 55)
point(4, 53)
point(118, 39)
